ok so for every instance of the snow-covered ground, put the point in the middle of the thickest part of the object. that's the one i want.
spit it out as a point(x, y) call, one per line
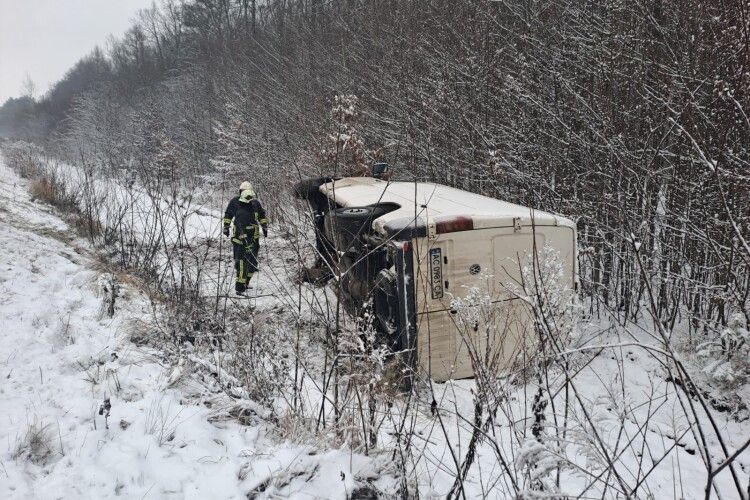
point(155, 216)
point(171, 432)
point(61, 355)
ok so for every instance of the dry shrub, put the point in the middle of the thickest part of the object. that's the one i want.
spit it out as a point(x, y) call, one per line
point(86, 227)
point(162, 419)
point(299, 429)
point(35, 445)
point(141, 332)
point(129, 281)
point(259, 359)
point(42, 189)
point(54, 193)
point(22, 157)
point(393, 382)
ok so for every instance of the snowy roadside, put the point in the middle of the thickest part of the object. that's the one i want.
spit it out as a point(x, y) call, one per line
point(181, 434)
point(62, 355)
point(192, 218)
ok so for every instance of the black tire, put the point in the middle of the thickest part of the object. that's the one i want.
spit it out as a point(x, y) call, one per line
point(345, 226)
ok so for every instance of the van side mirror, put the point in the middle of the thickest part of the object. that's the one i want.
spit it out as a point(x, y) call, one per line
point(379, 170)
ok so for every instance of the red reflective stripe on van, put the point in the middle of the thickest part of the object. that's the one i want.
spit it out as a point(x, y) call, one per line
point(454, 224)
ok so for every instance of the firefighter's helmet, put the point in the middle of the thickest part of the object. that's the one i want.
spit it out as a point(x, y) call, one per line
point(245, 186)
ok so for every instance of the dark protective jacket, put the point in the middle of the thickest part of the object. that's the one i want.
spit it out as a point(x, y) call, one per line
point(231, 210)
point(256, 208)
point(248, 219)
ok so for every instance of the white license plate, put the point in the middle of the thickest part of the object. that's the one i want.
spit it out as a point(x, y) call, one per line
point(436, 273)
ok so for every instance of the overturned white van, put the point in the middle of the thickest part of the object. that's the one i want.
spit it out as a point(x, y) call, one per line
point(411, 249)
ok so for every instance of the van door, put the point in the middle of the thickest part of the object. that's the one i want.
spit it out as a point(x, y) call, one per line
point(435, 339)
point(449, 266)
point(436, 346)
point(497, 328)
point(514, 333)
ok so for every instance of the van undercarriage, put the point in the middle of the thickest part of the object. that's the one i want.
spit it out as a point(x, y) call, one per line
point(372, 272)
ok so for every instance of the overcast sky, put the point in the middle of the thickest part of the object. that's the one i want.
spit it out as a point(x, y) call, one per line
point(46, 37)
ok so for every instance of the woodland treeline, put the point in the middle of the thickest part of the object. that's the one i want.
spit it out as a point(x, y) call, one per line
point(630, 117)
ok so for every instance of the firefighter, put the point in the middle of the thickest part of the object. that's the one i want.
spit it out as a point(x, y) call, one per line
point(232, 206)
point(249, 220)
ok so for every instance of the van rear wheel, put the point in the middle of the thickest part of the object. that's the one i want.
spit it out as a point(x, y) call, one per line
point(344, 225)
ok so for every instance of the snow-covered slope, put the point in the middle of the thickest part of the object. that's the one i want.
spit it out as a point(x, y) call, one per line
point(61, 356)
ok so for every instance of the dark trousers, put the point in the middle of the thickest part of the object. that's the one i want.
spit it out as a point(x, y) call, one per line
point(245, 264)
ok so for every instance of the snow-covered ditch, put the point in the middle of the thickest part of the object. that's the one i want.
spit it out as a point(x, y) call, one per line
point(166, 435)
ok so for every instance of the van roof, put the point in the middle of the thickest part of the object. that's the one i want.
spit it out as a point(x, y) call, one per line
point(425, 201)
